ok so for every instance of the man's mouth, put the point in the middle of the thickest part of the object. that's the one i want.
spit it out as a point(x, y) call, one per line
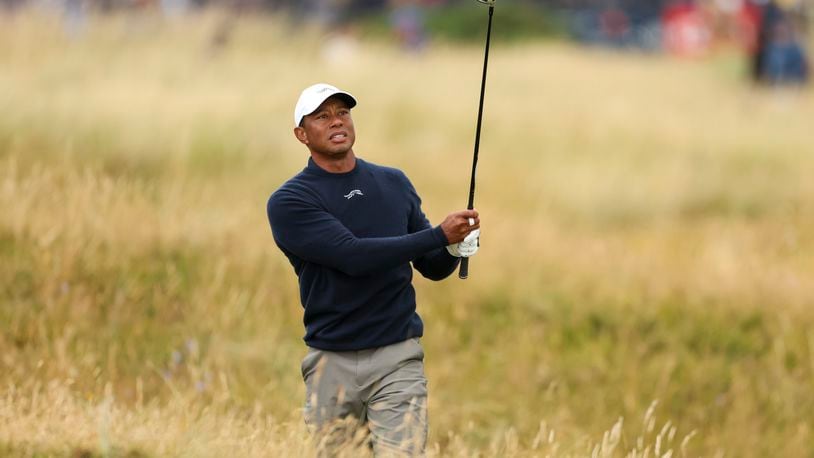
point(338, 137)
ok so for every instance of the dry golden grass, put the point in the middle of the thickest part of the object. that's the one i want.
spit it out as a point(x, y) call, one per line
point(648, 233)
point(52, 420)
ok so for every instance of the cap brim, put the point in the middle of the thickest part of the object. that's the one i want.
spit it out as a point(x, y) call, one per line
point(342, 95)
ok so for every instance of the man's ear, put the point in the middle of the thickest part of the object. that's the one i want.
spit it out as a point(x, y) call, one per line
point(299, 132)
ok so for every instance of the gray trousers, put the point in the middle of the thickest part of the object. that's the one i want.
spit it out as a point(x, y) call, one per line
point(381, 390)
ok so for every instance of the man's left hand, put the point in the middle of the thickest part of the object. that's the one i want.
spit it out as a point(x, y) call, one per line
point(466, 248)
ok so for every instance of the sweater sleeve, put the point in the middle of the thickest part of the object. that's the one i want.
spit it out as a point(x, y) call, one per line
point(437, 264)
point(314, 235)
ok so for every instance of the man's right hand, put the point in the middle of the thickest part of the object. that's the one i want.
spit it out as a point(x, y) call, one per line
point(457, 226)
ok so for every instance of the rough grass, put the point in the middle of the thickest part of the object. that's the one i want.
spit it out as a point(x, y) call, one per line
point(648, 234)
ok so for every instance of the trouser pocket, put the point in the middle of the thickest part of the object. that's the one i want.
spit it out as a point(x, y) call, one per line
point(310, 363)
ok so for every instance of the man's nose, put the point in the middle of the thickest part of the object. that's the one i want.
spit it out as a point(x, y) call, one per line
point(336, 120)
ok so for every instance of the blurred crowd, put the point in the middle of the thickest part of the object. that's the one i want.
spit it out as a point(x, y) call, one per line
point(770, 32)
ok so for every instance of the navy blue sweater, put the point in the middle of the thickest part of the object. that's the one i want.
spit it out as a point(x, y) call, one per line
point(351, 237)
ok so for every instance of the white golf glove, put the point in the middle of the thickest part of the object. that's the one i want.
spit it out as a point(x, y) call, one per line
point(467, 248)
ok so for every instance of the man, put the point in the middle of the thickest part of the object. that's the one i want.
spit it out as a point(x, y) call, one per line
point(350, 229)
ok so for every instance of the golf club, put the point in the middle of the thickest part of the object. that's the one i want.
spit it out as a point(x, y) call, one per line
point(463, 273)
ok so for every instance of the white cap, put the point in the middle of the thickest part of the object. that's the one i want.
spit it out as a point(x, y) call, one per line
point(313, 96)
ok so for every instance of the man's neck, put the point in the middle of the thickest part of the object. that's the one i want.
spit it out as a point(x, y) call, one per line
point(331, 164)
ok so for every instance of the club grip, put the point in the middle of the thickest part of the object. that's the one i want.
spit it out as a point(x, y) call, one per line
point(463, 272)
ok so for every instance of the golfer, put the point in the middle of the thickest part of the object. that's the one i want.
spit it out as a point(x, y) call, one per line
point(351, 229)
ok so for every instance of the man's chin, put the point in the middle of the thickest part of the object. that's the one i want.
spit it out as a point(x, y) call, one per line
point(336, 154)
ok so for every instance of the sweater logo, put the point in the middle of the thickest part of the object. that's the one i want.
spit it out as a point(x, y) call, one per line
point(355, 192)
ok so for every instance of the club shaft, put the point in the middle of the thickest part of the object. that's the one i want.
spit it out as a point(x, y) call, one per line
point(463, 273)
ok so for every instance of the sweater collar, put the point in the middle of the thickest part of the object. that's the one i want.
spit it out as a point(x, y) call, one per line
point(312, 167)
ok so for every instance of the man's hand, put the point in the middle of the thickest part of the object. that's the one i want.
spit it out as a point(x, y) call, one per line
point(458, 225)
point(467, 248)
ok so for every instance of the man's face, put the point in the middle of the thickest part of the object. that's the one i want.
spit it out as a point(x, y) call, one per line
point(328, 131)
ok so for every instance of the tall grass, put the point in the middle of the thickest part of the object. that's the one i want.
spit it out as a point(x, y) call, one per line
point(648, 233)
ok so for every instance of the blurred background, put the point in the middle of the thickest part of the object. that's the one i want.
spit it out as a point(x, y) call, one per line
point(770, 33)
point(645, 285)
